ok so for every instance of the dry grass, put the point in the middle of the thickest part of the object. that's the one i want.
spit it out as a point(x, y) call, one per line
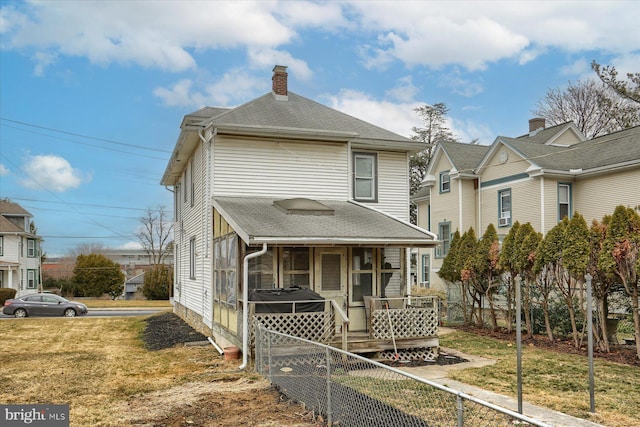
point(95, 365)
point(554, 380)
point(106, 303)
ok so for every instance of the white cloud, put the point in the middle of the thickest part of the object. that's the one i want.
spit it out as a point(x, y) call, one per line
point(263, 58)
point(51, 172)
point(396, 117)
point(473, 34)
point(131, 245)
point(4, 170)
point(405, 90)
point(180, 95)
point(460, 85)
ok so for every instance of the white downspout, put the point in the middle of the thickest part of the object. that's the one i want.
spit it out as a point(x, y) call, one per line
point(245, 304)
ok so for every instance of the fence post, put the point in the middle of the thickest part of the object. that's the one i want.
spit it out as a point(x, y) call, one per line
point(328, 365)
point(460, 406)
point(269, 372)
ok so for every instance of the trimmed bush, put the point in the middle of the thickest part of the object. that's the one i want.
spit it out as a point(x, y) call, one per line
point(6, 293)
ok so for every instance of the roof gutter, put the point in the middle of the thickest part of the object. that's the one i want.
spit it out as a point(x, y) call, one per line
point(245, 304)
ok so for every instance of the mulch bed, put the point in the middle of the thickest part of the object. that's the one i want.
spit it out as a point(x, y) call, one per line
point(168, 330)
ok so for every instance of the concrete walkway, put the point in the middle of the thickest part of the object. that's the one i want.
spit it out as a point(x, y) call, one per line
point(439, 374)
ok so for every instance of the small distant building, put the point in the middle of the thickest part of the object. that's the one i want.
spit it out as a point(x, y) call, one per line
point(20, 253)
point(132, 285)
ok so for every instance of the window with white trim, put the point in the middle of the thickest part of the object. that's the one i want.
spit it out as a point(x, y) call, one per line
point(445, 182)
point(31, 279)
point(425, 281)
point(1, 245)
point(444, 235)
point(192, 258)
point(365, 176)
point(564, 201)
point(504, 208)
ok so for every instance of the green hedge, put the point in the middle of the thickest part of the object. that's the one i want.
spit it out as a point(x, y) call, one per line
point(5, 294)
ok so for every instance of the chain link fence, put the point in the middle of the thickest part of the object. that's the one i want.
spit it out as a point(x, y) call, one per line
point(350, 390)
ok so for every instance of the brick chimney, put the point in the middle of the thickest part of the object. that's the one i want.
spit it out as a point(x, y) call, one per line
point(279, 82)
point(535, 125)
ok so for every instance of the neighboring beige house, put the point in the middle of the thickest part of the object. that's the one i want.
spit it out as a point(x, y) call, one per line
point(19, 249)
point(283, 191)
point(539, 178)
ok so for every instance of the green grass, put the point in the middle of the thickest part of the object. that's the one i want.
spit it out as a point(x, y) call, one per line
point(555, 380)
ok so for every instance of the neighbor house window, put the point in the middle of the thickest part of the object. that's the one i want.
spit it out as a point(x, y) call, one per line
point(445, 182)
point(564, 201)
point(31, 248)
point(31, 279)
point(504, 208)
point(295, 267)
point(426, 271)
point(444, 235)
point(192, 258)
point(364, 172)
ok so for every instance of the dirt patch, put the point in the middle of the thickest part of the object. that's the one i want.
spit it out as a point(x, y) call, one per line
point(230, 397)
point(620, 353)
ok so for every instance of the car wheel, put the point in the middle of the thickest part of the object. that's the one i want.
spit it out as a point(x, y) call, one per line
point(69, 312)
point(20, 313)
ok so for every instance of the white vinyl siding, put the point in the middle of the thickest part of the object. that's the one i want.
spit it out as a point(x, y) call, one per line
point(393, 185)
point(280, 169)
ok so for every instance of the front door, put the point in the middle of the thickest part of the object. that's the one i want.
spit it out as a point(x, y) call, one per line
point(331, 275)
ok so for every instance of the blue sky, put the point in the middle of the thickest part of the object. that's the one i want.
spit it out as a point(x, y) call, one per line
point(92, 93)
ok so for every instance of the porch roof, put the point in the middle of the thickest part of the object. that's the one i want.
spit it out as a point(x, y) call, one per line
point(257, 220)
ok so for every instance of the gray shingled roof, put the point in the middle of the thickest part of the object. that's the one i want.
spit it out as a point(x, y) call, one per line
point(299, 112)
point(11, 208)
point(257, 220)
point(608, 150)
point(7, 226)
point(465, 157)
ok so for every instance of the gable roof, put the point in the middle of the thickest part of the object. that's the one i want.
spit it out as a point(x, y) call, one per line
point(464, 157)
point(257, 220)
point(296, 117)
point(8, 207)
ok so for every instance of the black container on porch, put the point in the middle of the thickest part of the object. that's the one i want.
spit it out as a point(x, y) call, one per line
point(273, 300)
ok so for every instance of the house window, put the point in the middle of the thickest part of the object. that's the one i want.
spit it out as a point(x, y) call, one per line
point(1, 245)
point(184, 187)
point(445, 182)
point(31, 279)
point(31, 248)
point(192, 183)
point(295, 267)
point(192, 258)
point(444, 235)
point(504, 208)
point(426, 271)
point(361, 273)
point(564, 201)
point(365, 186)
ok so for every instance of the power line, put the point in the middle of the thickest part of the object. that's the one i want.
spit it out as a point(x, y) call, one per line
point(110, 141)
point(82, 204)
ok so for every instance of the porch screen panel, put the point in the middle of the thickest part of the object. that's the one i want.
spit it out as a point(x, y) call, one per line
point(295, 265)
point(261, 271)
point(390, 272)
point(331, 273)
point(362, 273)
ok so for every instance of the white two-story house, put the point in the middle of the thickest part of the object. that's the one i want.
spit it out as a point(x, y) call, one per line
point(20, 267)
point(283, 193)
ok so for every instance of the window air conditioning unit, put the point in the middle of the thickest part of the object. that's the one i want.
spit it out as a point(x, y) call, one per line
point(504, 221)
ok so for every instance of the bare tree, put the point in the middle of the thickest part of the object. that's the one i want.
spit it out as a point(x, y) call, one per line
point(629, 89)
point(86, 248)
point(156, 234)
point(595, 108)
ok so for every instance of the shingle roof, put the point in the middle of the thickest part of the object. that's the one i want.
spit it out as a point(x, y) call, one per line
point(257, 220)
point(11, 208)
point(7, 226)
point(465, 157)
point(299, 112)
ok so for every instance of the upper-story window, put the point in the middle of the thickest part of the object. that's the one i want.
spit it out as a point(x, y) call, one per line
point(1, 245)
point(365, 186)
point(445, 182)
point(564, 201)
point(504, 208)
point(31, 248)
